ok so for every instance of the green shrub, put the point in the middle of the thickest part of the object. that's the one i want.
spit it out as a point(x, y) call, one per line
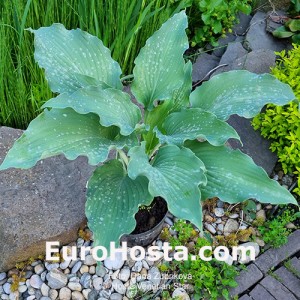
point(281, 124)
point(210, 20)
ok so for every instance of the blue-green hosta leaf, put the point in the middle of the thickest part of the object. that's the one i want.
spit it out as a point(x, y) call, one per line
point(181, 96)
point(240, 92)
point(112, 106)
point(159, 67)
point(64, 131)
point(175, 175)
point(193, 123)
point(234, 177)
point(66, 53)
point(179, 100)
point(112, 201)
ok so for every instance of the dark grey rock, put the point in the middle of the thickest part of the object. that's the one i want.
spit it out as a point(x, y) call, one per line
point(258, 61)
point(254, 144)
point(223, 42)
point(258, 38)
point(276, 289)
point(246, 279)
point(273, 257)
point(243, 25)
point(289, 280)
point(259, 292)
point(203, 65)
point(44, 203)
point(234, 51)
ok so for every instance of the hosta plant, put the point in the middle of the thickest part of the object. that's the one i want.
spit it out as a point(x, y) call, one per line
point(173, 148)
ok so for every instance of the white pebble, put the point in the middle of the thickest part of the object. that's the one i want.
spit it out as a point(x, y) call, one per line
point(77, 296)
point(169, 221)
point(219, 212)
point(210, 228)
point(65, 294)
point(124, 274)
point(89, 260)
point(234, 216)
point(181, 294)
point(97, 283)
point(118, 286)
point(45, 289)
point(76, 267)
point(39, 269)
point(35, 281)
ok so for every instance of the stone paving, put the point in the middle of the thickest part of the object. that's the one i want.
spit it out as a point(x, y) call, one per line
point(275, 275)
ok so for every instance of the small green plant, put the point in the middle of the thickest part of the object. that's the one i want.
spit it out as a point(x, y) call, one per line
point(281, 124)
point(211, 279)
point(210, 20)
point(249, 208)
point(294, 8)
point(185, 232)
point(274, 232)
point(290, 29)
point(157, 152)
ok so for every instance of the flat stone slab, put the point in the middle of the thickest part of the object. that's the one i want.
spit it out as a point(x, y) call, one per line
point(259, 293)
point(273, 257)
point(254, 144)
point(204, 63)
point(223, 42)
point(44, 203)
point(276, 289)
point(289, 280)
point(295, 263)
point(243, 25)
point(234, 51)
point(246, 279)
point(245, 297)
point(258, 61)
point(258, 38)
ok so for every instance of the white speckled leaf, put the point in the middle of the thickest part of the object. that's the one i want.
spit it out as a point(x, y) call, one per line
point(234, 177)
point(66, 53)
point(112, 201)
point(240, 92)
point(174, 174)
point(159, 67)
point(112, 106)
point(180, 99)
point(193, 123)
point(181, 96)
point(64, 131)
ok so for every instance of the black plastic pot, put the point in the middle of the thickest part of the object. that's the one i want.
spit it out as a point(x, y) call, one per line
point(145, 238)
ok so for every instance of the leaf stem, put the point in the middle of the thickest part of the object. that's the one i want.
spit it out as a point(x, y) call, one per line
point(123, 156)
point(154, 150)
